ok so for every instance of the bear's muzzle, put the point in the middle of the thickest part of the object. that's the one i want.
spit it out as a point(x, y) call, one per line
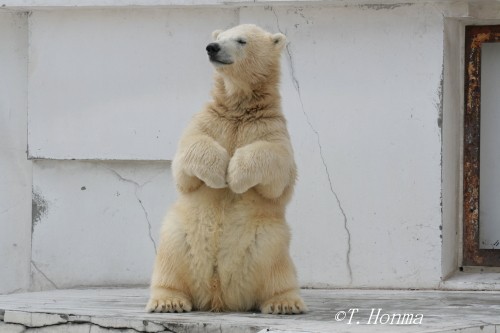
point(217, 56)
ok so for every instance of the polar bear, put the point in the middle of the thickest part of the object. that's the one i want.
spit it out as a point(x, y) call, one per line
point(224, 243)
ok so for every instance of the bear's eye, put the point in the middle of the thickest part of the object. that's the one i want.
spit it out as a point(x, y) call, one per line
point(241, 41)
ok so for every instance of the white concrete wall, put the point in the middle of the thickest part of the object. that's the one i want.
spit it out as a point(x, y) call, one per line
point(112, 88)
point(97, 223)
point(127, 87)
point(364, 104)
point(366, 190)
point(452, 133)
point(15, 170)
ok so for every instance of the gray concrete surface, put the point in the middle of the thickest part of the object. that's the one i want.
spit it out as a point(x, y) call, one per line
point(121, 310)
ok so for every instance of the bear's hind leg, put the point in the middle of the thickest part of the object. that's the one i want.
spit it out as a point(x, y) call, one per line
point(280, 293)
point(288, 302)
point(170, 282)
point(168, 300)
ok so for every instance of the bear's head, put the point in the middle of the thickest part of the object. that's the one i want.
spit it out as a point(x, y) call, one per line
point(246, 53)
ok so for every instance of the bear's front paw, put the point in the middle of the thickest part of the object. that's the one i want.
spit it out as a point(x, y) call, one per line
point(290, 303)
point(240, 177)
point(208, 164)
point(165, 300)
point(239, 184)
point(214, 180)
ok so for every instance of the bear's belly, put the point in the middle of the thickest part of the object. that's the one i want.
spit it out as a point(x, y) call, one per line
point(230, 239)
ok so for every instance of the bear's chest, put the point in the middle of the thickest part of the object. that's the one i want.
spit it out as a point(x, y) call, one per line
point(235, 133)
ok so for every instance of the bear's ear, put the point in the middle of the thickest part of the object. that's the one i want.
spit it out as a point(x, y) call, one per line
point(279, 40)
point(215, 34)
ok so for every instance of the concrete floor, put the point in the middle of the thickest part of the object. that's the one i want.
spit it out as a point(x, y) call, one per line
point(121, 310)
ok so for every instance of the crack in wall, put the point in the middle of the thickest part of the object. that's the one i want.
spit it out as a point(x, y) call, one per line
point(92, 322)
point(15, 291)
point(44, 275)
point(6, 210)
point(296, 85)
point(136, 193)
point(83, 323)
point(385, 6)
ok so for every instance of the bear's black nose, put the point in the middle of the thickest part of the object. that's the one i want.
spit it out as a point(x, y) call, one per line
point(213, 48)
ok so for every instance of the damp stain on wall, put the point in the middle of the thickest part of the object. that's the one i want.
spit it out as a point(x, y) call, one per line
point(39, 208)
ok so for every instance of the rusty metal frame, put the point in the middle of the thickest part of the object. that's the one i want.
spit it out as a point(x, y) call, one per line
point(475, 36)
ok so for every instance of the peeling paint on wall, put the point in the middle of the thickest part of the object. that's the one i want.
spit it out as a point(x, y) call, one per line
point(475, 36)
point(439, 103)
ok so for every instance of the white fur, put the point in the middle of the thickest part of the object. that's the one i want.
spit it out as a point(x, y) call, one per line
point(224, 244)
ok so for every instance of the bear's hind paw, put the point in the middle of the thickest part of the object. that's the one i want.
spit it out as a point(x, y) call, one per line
point(284, 305)
point(168, 305)
point(174, 303)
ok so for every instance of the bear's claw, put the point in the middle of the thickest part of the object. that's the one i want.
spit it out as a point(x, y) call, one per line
point(284, 305)
point(168, 305)
point(167, 300)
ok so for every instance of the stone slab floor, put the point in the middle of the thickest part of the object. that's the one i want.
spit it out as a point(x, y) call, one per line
point(121, 310)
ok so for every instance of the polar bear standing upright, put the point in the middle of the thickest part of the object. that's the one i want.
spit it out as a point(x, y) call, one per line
point(224, 244)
